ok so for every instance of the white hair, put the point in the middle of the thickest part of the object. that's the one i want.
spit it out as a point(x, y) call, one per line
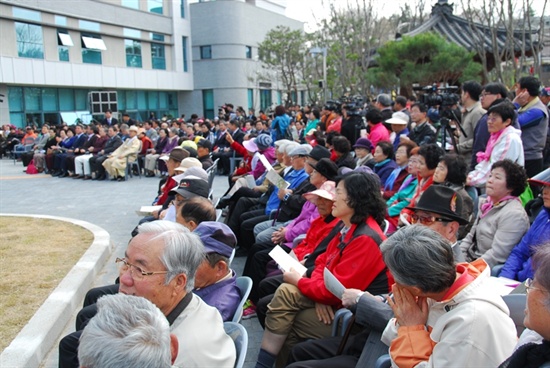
point(127, 331)
point(183, 250)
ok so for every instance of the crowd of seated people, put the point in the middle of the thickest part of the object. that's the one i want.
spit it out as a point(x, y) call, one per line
point(452, 216)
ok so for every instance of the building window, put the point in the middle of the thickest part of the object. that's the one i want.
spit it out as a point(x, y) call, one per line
point(265, 99)
point(248, 52)
point(92, 45)
point(184, 46)
point(131, 33)
point(134, 4)
point(29, 40)
point(64, 38)
point(208, 103)
point(250, 98)
point(154, 6)
point(182, 8)
point(87, 25)
point(60, 20)
point(157, 56)
point(302, 97)
point(26, 14)
point(206, 52)
point(63, 52)
point(133, 53)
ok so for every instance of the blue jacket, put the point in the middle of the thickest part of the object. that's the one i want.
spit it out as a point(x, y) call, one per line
point(384, 169)
point(279, 125)
point(518, 265)
point(295, 178)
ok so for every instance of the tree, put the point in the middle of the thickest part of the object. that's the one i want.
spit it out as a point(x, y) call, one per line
point(283, 51)
point(425, 59)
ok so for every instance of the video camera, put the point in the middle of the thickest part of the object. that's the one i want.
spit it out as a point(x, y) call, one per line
point(444, 98)
point(354, 105)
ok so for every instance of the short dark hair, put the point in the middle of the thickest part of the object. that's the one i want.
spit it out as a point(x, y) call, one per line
point(364, 197)
point(279, 110)
point(431, 153)
point(531, 84)
point(505, 110)
point(198, 209)
point(316, 113)
point(214, 258)
point(235, 122)
point(516, 177)
point(374, 115)
point(473, 88)
point(421, 107)
point(409, 145)
point(387, 148)
point(541, 265)
point(497, 89)
point(401, 100)
point(341, 144)
point(457, 169)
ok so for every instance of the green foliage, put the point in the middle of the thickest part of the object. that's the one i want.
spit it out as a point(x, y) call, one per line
point(424, 59)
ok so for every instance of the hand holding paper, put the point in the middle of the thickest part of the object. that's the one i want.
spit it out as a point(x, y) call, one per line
point(285, 261)
point(332, 284)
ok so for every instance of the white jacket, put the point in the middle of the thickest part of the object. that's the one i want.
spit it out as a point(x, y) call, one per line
point(202, 340)
point(472, 329)
point(508, 146)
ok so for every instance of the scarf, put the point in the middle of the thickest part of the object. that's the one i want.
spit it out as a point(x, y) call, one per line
point(531, 355)
point(393, 176)
point(488, 205)
point(485, 156)
point(382, 163)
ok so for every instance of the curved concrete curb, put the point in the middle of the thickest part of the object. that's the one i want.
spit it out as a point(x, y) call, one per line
point(36, 339)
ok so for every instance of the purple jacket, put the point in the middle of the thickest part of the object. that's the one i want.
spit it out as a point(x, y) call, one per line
point(171, 144)
point(301, 224)
point(223, 295)
point(260, 169)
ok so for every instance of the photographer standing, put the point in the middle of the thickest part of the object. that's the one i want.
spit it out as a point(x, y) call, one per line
point(471, 114)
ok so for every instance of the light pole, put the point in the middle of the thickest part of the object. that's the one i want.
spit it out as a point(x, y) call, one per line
point(323, 51)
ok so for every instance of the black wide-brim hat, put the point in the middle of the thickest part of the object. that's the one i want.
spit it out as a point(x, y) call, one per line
point(326, 167)
point(441, 200)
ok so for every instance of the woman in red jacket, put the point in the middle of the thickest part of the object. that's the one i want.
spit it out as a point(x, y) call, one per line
point(302, 307)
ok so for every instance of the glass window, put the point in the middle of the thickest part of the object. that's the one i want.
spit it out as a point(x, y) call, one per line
point(29, 40)
point(248, 52)
point(66, 99)
point(153, 99)
point(64, 38)
point(157, 56)
point(32, 98)
point(172, 100)
point(63, 52)
point(133, 33)
point(141, 100)
point(134, 4)
point(206, 52)
point(163, 100)
point(133, 53)
point(154, 6)
point(91, 48)
point(302, 97)
point(131, 100)
point(60, 20)
point(17, 119)
point(208, 103)
point(90, 26)
point(279, 97)
point(49, 99)
point(157, 37)
point(121, 100)
point(250, 98)
point(81, 99)
point(182, 8)
point(184, 47)
point(265, 99)
point(26, 14)
point(15, 98)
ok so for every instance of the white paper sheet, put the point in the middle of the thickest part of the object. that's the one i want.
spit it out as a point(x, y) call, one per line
point(332, 284)
point(285, 261)
point(147, 210)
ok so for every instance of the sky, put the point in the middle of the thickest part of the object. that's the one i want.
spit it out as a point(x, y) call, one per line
point(303, 10)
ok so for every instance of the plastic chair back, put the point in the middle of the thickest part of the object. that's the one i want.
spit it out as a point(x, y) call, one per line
point(516, 304)
point(239, 335)
point(244, 283)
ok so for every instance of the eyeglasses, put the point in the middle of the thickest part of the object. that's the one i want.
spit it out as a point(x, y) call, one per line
point(139, 274)
point(529, 285)
point(427, 220)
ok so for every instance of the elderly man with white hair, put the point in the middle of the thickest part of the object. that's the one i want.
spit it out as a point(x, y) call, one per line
point(127, 331)
point(160, 265)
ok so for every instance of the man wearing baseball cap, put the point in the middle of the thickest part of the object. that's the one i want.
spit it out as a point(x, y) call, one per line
point(398, 122)
point(215, 282)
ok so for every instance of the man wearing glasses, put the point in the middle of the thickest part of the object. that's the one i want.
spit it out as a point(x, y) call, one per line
point(160, 265)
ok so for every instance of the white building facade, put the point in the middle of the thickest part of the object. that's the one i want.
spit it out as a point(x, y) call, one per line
point(161, 57)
